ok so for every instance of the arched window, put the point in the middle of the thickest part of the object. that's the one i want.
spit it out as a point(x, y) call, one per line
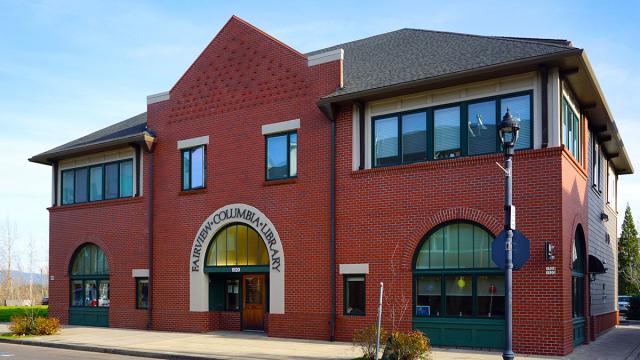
point(455, 275)
point(237, 245)
point(89, 275)
point(577, 273)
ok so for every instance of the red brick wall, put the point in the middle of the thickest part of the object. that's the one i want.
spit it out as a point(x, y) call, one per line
point(119, 228)
point(243, 80)
point(602, 323)
point(382, 214)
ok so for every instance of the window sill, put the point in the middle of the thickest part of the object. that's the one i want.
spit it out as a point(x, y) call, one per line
point(192, 192)
point(95, 204)
point(280, 182)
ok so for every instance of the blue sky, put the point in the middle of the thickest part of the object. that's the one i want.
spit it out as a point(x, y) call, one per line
point(71, 67)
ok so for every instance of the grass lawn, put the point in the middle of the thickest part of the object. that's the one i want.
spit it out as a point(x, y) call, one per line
point(6, 312)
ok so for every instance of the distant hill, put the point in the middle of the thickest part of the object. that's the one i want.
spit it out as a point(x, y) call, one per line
point(23, 277)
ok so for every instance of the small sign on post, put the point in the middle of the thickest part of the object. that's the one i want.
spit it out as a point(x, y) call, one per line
point(520, 245)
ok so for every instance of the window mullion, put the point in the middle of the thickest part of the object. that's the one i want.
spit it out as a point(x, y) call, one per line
point(399, 126)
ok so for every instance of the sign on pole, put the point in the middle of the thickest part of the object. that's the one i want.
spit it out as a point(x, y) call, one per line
point(521, 250)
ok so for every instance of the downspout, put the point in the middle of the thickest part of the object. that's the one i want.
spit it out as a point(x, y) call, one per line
point(150, 241)
point(332, 250)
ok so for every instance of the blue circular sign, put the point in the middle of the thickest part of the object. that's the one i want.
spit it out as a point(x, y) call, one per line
point(521, 250)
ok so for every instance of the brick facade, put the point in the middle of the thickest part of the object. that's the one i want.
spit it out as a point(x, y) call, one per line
point(245, 79)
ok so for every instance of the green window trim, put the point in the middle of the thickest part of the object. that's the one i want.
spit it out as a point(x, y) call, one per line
point(463, 128)
point(291, 148)
point(359, 298)
point(142, 300)
point(68, 180)
point(89, 269)
point(236, 247)
point(187, 166)
point(571, 129)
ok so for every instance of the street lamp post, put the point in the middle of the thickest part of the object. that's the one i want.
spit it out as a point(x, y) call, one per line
point(508, 130)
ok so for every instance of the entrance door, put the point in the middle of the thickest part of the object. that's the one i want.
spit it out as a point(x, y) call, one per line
point(253, 288)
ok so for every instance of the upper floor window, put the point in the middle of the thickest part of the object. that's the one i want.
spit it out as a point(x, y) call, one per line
point(571, 133)
point(611, 187)
point(282, 156)
point(595, 162)
point(449, 131)
point(97, 182)
point(193, 168)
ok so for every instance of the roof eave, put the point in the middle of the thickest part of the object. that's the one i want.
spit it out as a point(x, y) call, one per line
point(144, 138)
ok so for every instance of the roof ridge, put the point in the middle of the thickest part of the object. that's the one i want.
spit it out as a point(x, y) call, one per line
point(353, 41)
point(506, 38)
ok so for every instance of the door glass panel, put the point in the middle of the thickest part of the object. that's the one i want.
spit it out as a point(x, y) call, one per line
point(490, 295)
point(446, 127)
point(386, 141)
point(253, 288)
point(103, 287)
point(232, 294)
point(428, 296)
point(414, 137)
point(90, 293)
point(76, 293)
point(458, 293)
point(482, 128)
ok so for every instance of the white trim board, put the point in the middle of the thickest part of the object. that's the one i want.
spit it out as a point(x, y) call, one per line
point(193, 142)
point(152, 99)
point(325, 57)
point(282, 126)
point(354, 269)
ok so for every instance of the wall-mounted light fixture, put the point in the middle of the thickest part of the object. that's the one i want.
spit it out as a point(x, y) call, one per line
point(548, 251)
point(604, 217)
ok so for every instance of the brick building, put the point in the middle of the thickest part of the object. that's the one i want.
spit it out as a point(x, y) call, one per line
point(273, 190)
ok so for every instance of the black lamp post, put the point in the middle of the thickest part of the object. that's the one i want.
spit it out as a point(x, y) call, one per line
point(508, 130)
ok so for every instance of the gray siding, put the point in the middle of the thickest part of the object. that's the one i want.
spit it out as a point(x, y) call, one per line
point(604, 289)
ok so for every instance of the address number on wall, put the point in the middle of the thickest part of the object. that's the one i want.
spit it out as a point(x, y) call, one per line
point(235, 269)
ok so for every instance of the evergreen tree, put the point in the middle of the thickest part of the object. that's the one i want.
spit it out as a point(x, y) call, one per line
point(628, 257)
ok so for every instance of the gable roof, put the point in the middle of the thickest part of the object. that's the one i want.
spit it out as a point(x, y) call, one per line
point(411, 54)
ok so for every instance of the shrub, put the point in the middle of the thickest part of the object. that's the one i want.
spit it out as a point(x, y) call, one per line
point(413, 345)
point(47, 326)
point(634, 308)
point(365, 339)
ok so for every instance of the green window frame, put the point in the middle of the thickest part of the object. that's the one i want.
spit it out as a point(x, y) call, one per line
point(194, 169)
point(577, 275)
point(142, 293)
point(89, 278)
point(465, 137)
point(454, 275)
point(571, 129)
point(237, 247)
point(596, 164)
point(290, 147)
point(88, 184)
point(355, 297)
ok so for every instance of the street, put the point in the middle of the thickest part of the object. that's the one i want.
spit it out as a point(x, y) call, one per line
point(11, 351)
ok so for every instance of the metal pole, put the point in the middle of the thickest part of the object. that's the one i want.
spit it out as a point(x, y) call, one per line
point(508, 352)
point(379, 320)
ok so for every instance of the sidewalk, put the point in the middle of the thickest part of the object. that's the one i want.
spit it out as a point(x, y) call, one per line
point(620, 343)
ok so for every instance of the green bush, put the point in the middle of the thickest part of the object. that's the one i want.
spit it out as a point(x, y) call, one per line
point(7, 312)
point(413, 345)
point(365, 339)
point(634, 308)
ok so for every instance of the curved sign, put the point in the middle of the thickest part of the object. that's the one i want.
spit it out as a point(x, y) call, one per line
point(236, 213)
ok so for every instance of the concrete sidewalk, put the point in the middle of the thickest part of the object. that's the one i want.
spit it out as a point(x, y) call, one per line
point(620, 343)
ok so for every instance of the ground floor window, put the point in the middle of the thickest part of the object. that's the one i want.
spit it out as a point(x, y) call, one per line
point(89, 278)
point(142, 293)
point(354, 295)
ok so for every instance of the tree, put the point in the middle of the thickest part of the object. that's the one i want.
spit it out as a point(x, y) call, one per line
point(628, 257)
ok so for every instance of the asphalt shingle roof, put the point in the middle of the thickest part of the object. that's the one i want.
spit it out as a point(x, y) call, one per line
point(383, 60)
point(410, 54)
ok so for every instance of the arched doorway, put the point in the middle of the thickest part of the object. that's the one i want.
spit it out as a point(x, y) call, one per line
point(89, 287)
point(237, 262)
point(458, 290)
point(577, 286)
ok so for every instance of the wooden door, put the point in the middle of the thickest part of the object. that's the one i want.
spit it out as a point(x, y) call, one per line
point(253, 302)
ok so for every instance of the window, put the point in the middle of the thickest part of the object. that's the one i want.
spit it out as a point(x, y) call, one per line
point(611, 186)
point(595, 161)
point(482, 129)
point(97, 182)
point(577, 277)
point(354, 295)
point(455, 276)
point(282, 156)
point(193, 168)
point(237, 245)
point(449, 131)
point(89, 278)
point(142, 293)
point(446, 133)
point(232, 295)
point(571, 133)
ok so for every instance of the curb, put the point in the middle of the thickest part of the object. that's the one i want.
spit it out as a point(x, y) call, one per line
point(106, 350)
